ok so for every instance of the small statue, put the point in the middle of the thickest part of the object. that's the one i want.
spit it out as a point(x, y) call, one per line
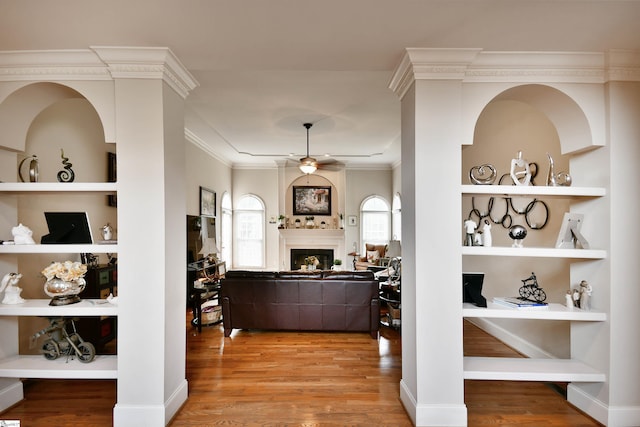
point(487, 240)
point(107, 232)
point(22, 235)
point(569, 300)
point(585, 295)
point(11, 290)
point(559, 179)
point(470, 228)
point(531, 291)
point(519, 162)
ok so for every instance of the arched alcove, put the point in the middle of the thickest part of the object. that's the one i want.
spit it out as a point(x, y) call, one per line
point(21, 107)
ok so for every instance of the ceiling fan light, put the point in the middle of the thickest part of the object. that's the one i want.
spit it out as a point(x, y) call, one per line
point(308, 165)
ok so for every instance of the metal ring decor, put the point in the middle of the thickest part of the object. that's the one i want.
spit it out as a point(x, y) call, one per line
point(530, 208)
point(483, 174)
point(506, 219)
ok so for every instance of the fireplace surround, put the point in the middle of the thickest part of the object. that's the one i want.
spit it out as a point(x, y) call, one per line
point(316, 239)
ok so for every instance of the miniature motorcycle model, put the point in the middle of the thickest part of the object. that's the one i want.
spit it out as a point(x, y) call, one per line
point(63, 343)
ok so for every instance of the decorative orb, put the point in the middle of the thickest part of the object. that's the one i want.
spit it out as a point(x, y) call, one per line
point(517, 232)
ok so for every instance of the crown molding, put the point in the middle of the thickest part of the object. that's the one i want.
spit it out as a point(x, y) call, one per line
point(52, 65)
point(147, 63)
point(474, 65)
point(198, 142)
point(430, 64)
point(623, 65)
point(97, 63)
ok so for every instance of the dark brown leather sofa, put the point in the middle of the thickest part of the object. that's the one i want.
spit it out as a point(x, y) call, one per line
point(301, 301)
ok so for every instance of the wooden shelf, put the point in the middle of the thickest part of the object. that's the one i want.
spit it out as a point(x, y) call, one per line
point(59, 249)
point(542, 191)
point(524, 369)
point(102, 367)
point(534, 252)
point(41, 307)
point(49, 187)
point(554, 312)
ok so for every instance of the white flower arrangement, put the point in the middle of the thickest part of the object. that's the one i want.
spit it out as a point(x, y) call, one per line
point(311, 260)
point(68, 271)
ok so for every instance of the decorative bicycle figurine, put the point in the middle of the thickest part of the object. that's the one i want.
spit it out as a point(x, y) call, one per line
point(63, 343)
point(530, 289)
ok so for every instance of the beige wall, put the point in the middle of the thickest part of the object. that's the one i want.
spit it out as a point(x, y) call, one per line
point(503, 129)
point(72, 125)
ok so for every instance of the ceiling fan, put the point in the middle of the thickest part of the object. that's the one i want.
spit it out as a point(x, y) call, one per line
point(308, 164)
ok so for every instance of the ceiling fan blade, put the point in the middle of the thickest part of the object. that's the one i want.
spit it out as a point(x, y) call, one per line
point(330, 165)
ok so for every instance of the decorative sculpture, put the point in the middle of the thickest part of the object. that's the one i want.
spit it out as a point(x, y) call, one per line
point(519, 162)
point(531, 289)
point(22, 235)
point(559, 179)
point(487, 240)
point(470, 229)
point(517, 233)
point(66, 175)
point(478, 174)
point(64, 343)
point(33, 169)
point(11, 290)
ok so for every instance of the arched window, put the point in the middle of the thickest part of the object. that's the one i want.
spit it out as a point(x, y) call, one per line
point(226, 230)
point(396, 217)
point(375, 224)
point(249, 231)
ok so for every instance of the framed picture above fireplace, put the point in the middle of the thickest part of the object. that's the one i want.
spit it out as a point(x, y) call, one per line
point(311, 200)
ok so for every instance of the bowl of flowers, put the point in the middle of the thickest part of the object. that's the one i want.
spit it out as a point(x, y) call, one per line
point(65, 280)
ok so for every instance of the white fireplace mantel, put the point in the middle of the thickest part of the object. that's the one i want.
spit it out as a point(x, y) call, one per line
point(317, 238)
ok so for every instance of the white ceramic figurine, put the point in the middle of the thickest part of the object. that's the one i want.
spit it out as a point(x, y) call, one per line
point(22, 235)
point(11, 290)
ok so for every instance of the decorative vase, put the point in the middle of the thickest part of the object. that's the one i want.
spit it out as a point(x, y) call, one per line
point(64, 292)
point(310, 224)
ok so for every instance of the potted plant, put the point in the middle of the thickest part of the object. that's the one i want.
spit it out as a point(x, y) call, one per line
point(281, 221)
point(337, 264)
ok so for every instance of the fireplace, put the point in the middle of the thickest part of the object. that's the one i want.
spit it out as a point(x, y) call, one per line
point(318, 240)
point(325, 256)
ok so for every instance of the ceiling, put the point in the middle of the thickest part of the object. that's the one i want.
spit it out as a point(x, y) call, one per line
point(265, 67)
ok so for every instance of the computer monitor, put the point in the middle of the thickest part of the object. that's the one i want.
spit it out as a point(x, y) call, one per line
point(67, 228)
point(472, 288)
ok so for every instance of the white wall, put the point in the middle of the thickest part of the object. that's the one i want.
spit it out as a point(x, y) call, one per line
point(202, 169)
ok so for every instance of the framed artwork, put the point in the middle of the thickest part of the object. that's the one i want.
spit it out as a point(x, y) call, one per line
point(353, 220)
point(112, 176)
point(311, 200)
point(207, 202)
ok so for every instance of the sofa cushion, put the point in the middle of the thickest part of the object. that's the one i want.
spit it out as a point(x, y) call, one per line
point(349, 275)
point(300, 274)
point(248, 274)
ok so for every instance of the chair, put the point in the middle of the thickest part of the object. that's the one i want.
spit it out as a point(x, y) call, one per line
point(372, 257)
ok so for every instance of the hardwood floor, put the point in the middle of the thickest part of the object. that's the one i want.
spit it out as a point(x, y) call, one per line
point(300, 379)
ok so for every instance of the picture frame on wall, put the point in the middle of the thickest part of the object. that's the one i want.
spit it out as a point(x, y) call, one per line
point(112, 176)
point(207, 202)
point(311, 200)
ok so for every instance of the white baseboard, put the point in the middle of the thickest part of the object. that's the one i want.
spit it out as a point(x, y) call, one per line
point(11, 393)
point(150, 415)
point(615, 416)
point(432, 415)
